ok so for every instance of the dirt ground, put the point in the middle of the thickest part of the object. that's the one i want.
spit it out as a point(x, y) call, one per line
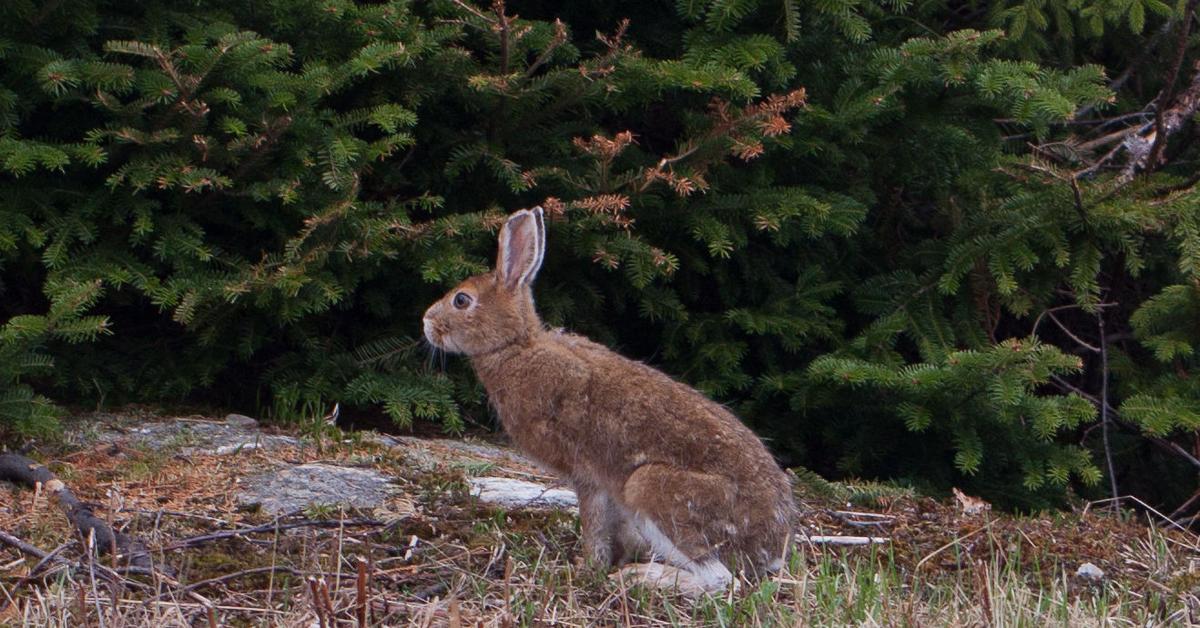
point(432, 554)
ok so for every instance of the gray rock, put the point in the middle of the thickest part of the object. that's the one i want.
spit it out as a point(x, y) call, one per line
point(1088, 571)
point(241, 421)
point(427, 454)
point(206, 437)
point(512, 493)
point(296, 488)
point(482, 450)
point(421, 460)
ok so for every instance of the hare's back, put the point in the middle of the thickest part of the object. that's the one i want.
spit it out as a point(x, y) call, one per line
point(643, 412)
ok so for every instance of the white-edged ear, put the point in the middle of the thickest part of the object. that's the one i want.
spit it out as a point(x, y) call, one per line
point(520, 253)
point(539, 218)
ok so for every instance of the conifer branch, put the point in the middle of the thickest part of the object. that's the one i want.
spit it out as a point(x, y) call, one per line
point(560, 38)
point(1121, 79)
point(1113, 415)
point(502, 27)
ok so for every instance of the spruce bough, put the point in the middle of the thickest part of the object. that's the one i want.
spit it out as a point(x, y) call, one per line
point(885, 232)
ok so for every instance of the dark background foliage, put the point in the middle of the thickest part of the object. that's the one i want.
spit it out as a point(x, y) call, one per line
point(925, 242)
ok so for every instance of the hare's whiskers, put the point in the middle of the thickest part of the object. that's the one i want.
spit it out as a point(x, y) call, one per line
point(432, 356)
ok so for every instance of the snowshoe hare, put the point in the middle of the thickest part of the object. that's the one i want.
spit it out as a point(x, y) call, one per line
point(658, 467)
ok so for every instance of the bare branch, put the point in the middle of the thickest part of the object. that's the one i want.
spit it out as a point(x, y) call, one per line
point(502, 26)
point(473, 11)
point(274, 527)
point(560, 38)
point(1077, 339)
point(1112, 473)
point(1114, 416)
point(21, 470)
point(1160, 132)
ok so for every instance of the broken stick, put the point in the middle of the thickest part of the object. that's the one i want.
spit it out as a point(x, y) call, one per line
point(842, 540)
point(24, 471)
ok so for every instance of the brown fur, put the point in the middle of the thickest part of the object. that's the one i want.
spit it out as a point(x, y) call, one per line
point(634, 442)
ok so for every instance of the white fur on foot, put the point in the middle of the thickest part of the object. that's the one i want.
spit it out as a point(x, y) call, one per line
point(661, 577)
point(692, 578)
point(709, 581)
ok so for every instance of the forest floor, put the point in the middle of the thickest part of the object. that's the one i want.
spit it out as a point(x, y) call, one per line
point(431, 553)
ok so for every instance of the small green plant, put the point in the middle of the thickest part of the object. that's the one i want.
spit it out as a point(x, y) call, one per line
point(323, 511)
point(474, 468)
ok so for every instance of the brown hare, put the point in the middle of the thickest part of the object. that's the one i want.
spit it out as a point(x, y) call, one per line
point(658, 467)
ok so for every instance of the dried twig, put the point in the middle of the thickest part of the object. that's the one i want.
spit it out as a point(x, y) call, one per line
point(22, 470)
point(1168, 94)
point(51, 556)
point(560, 38)
point(360, 595)
point(22, 546)
point(952, 543)
point(1185, 505)
point(314, 591)
point(1080, 341)
point(1133, 498)
point(856, 519)
point(273, 527)
point(503, 27)
point(1112, 474)
point(842, 540)
point(473, 11)
point(1049, 312)
point(175, 513)
point(326, 602)
point(89, 544)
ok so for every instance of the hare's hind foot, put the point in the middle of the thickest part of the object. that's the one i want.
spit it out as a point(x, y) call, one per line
point(703, 578)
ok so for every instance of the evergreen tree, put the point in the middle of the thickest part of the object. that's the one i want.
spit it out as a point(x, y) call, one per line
point(931, 242)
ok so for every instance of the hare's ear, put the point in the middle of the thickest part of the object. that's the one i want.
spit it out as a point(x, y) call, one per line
point(522, 242)
point(540, 220)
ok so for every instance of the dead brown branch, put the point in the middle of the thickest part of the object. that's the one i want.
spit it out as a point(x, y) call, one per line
point(361, 597)
point(1145, 150)
point(1168, 94)
point(244, 573)
point(24, 471)
point(22, 546)
point(274, 526)
point(502, 25)
point(473, 11)
point(560, 38)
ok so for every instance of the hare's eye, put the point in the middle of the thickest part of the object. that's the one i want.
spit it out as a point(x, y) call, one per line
point(462, 300)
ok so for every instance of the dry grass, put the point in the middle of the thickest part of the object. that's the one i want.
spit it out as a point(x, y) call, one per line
point(435, 557)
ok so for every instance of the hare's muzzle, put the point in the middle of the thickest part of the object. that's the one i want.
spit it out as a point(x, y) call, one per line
point(431, 333)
